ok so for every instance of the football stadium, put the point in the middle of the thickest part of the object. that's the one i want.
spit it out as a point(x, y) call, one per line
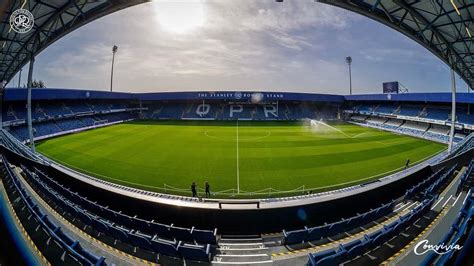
point(236, 177)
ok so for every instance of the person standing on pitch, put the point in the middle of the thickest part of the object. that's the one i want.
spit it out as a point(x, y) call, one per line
point(193, 189)
point(208, 190)
point(407, 164)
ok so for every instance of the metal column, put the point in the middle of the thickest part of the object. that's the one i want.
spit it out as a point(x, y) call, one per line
point(28, 103)
point(453, 109)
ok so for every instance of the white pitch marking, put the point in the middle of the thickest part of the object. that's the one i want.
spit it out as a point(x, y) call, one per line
point(238, 174)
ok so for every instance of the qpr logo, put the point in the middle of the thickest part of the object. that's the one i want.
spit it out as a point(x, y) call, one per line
point(21, 21)
point(423, 246)
point(238, 95)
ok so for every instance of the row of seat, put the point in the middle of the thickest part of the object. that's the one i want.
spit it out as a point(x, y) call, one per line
point(454, 235)
point(466, 145)
point(170, 232)
point(467, 173)
point(425, 183)
point(132, 237)
point(434, 187)
point(427, 186)
point(17, 111)
point(72, 247)
point(441, 113)
point(409, 131)
point(370, 241)
point(315, 233)
point(56, 125)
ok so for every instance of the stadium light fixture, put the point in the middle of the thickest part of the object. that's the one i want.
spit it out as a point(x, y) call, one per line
point(114, 50)
point(455, 7)
point(349, 62)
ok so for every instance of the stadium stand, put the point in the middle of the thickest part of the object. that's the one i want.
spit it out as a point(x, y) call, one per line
point(326, 230)
point(187, 243)
point(316, 233)
point(453, 238)
point(62, 241)
point(357, 247)
point(155, 239)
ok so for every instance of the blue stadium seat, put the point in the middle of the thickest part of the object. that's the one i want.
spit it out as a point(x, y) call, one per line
point(348, 246)
point(100, 226)
point(205, 236)
point(165, 247)
point(195, 252)
point(332, 260)
point(124, 220)
point(295, 236)
point(181, 233)
point(316, 233)
point(358, 249)
point(85, 218)
point(162, 230)
point(140, 240)
point(316, 257)
point(142, 225)
point(89, 258)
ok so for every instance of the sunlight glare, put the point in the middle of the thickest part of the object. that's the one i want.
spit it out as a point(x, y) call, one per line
point(180, 17)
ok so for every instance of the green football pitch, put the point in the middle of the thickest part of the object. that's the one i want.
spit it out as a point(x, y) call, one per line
point(256, 159)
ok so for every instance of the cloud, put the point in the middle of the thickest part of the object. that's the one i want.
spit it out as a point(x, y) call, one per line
point(240, 45)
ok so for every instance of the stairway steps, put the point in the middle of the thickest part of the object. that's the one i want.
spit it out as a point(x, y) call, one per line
point(242, 250)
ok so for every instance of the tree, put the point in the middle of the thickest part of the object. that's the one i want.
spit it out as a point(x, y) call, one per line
point(36, 84)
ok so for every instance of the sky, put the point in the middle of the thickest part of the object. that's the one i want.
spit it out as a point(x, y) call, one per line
point(247, 45)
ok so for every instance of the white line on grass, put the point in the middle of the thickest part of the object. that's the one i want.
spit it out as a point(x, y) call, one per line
point(206, 133)
point(237, 144)
point(108, 178)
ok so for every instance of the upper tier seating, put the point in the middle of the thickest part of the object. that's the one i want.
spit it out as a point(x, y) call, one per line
point(441, 113)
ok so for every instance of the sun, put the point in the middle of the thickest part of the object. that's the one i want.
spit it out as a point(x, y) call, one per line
point(180, 16)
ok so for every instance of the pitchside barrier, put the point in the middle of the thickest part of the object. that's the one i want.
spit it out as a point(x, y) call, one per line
point(234, 193)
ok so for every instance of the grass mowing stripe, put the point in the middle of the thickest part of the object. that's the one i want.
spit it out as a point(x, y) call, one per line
point(149, 154)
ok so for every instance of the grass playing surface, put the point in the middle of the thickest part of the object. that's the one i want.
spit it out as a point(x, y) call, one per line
point(284, 156)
